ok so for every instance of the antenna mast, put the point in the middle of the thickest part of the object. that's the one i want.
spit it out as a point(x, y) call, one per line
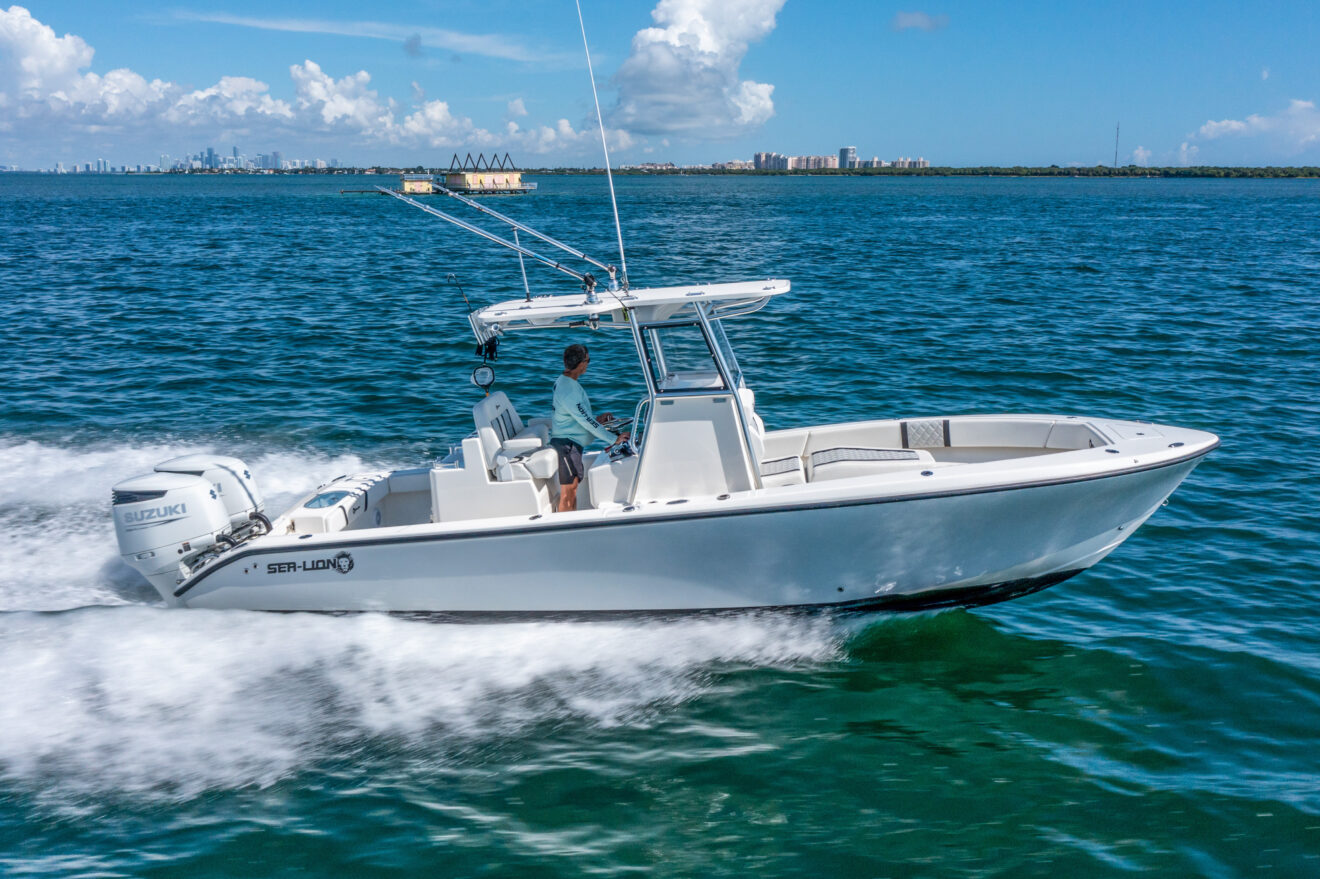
point(1116, 124)
point(600, 120)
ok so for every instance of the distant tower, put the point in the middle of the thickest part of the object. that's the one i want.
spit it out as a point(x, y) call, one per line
point(848, 157)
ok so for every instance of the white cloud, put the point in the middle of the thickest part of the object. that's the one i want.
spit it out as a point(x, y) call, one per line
point(40, 75)
point(414, 39)
point(1264, 73)
point(918, 21)
point(1294, 129)
point(346, 102)
point(1211, 130)
point(562, 137)
point(1187, 154)
point(1141, 156)
point(48, 96)
point(351, 106)
point(433, 125)
point(681, 76)
point(34, 60)
point(231, 97)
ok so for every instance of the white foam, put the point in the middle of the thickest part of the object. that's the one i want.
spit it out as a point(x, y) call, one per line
point(58, 549)
point(154, 703)
point(45, 476)
point(165, 704)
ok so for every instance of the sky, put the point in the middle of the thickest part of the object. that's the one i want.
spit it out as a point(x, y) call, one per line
point(687, 81)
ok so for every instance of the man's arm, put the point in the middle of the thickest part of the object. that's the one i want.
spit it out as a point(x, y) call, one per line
point(582, 415)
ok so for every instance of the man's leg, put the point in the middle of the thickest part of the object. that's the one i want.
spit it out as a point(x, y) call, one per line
point(568, 496)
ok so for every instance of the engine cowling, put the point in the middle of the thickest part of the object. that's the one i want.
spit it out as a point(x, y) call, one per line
point(230, 477)
point(162, 519)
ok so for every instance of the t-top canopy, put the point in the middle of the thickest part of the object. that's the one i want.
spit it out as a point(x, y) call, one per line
point(653, 304)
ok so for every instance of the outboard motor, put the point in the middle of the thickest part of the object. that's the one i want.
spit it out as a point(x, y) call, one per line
point(230, 478)
point(162, 519)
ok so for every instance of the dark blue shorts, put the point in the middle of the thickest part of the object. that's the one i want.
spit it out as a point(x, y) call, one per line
point(570, 460)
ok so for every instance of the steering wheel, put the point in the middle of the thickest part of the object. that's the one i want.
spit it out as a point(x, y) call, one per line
point(622, 450)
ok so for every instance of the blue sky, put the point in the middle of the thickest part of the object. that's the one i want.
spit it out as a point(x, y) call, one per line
point(681, 80)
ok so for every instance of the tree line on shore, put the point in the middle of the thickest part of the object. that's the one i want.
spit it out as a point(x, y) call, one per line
point(1000, 171)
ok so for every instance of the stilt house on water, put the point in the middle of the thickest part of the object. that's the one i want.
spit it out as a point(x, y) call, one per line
point(482, 176)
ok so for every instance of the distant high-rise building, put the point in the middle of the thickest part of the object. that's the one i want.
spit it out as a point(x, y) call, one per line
point(277, 160)
point(848, 157)
point(235, 154)
point(777, 162)
point(212, 160)
point(812, 163)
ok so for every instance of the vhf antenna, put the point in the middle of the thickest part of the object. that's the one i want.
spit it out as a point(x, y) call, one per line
point(623, 261)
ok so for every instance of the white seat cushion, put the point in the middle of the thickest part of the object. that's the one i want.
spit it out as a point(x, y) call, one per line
point(522, 444)
point(783, 471)
point(539, 464)
point(845, 462)
point(542, 464)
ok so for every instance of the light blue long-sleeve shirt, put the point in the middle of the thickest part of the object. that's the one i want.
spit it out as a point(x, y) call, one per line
point(572, 418)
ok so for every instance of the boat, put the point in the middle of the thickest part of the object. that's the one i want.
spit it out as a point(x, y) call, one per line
point(705, 509)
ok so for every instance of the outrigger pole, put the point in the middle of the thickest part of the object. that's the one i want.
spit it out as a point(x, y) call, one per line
point(520, 226)
point(623, 260)
point(587, 280)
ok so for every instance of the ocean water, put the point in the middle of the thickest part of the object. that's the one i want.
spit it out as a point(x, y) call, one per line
point(1158, 714)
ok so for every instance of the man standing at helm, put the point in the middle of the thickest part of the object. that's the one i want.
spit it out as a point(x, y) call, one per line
point(573, 427)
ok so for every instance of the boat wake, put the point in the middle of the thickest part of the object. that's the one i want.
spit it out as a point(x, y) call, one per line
point(60, 551)
point(106, 704)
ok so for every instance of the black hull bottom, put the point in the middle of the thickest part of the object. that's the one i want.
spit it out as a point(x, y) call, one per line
point(969, 596)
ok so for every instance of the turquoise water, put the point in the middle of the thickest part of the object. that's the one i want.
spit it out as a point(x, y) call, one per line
point(1158, 713)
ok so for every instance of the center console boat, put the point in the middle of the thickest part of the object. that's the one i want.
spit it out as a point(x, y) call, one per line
point(708, 509)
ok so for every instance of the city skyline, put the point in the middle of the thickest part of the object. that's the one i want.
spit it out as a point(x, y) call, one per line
point(210, 159)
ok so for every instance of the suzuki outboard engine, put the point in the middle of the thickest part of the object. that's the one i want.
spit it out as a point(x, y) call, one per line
point(162, 519)
point(185, 508)
point(230, 478)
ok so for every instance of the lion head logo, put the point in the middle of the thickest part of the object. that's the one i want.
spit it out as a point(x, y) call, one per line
point(343, 562)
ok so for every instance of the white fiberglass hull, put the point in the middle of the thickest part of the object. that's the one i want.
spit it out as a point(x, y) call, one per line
point(948, 545)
